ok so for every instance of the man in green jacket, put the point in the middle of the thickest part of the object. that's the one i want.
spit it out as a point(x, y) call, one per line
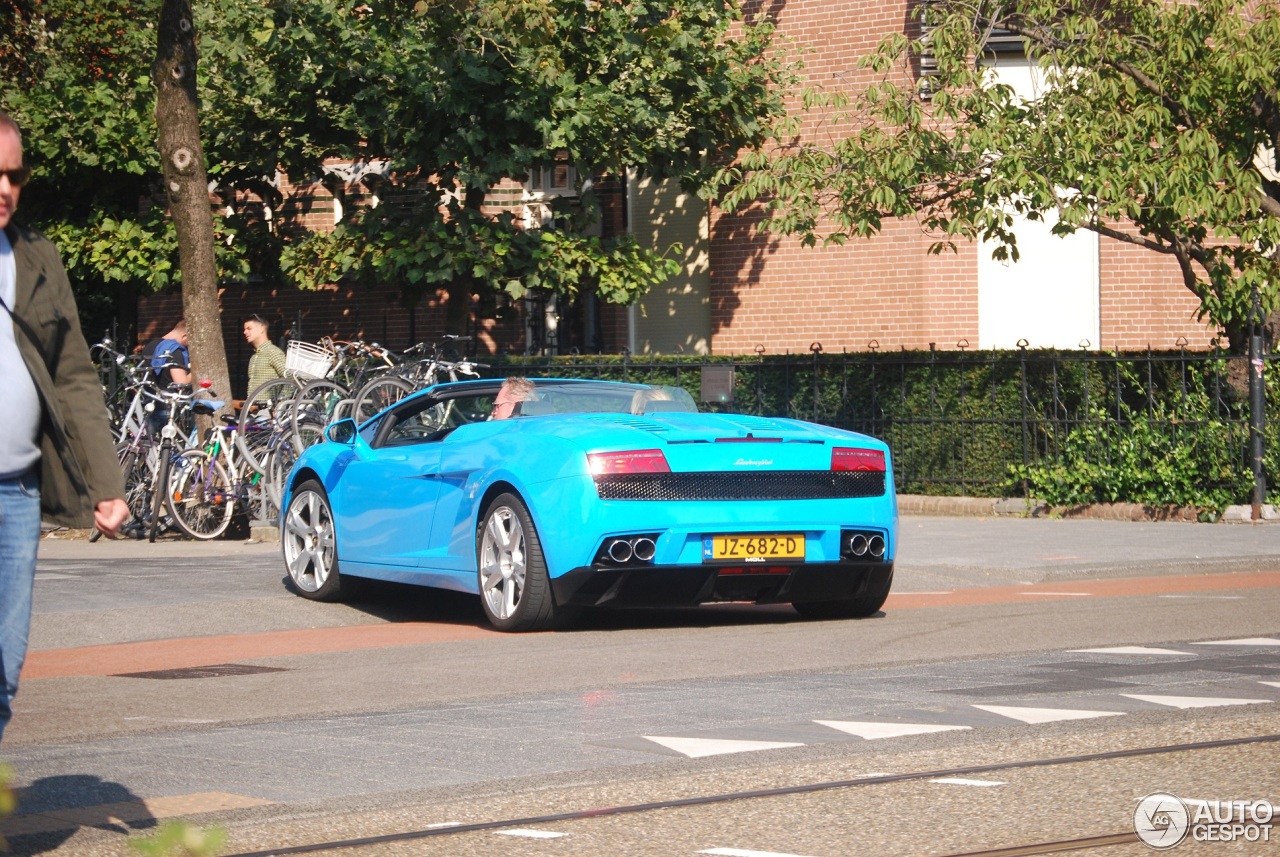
point(56, 454)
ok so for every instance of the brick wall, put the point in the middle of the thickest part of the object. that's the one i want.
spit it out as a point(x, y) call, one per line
point(1143, 302)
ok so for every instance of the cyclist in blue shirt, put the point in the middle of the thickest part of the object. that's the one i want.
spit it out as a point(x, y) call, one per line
point(172, 349)
point(170, 364)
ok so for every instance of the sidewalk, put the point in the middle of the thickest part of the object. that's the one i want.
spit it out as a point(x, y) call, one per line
point(935, 551)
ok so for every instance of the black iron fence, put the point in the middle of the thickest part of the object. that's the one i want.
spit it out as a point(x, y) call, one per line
point(990, 423)
point(1156, 426)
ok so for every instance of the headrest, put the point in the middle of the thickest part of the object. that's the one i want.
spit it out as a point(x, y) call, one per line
point(537, 408)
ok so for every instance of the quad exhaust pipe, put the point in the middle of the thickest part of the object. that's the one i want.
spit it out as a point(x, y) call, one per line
point(863, 545)
point(620, 551)
point(624, 550)
point(643, 549)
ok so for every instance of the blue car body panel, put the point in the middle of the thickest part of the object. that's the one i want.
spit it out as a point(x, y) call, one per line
point(407, 509)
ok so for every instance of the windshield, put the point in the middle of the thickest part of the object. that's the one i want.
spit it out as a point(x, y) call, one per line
point(587, 398)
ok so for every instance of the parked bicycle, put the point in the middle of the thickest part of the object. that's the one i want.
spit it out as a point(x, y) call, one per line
point(391, 387)
point(128, 386)
point(326, 400)
point(210, 484)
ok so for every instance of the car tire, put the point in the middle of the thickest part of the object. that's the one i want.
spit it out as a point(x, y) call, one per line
point(866, 603)
point(310, 544)
point(515, 588)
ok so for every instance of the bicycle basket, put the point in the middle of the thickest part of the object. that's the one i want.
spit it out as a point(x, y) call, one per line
point(304, 360)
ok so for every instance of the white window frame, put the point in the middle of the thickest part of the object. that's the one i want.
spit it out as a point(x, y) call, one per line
point(543, 185)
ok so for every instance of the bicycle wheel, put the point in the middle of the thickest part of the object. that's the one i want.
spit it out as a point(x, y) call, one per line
point(163, 469)
point(378, 394)
point(316, 406)
point(137, 484)
point(254, 444)
point(278, 467)
point(200, 495)
point(267, 412)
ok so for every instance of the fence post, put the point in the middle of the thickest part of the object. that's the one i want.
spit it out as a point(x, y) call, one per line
point(1257, 408)
point(1026, 428)
point(759, 379)
point(816, 349)
point(112, 369)
point(962, 414)
point(877, 429)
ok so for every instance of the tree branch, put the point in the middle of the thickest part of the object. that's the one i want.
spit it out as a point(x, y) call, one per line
point(1270, 204)
point(1039, 35)
point(1128, 237)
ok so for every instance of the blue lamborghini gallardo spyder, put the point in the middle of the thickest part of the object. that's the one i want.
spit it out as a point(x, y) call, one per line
point(594, 494)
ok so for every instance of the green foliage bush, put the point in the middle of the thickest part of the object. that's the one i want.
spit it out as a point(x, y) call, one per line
point(1170, 457)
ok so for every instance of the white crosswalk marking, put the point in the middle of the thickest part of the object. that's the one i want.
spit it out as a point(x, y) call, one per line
point(1045, 715)
point(961, 781)
point(871, 731)
point(531, 834)
point(1193, 701)
point(697, 748)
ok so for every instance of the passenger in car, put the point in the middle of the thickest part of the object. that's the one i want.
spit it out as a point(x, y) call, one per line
point(644, 397)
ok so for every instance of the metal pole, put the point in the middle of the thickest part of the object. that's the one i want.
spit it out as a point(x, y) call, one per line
point(1257, 408)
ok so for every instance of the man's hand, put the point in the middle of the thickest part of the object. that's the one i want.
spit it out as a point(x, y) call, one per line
point(110, 515)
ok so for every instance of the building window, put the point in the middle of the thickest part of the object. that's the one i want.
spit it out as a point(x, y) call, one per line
point(997, 43)
point(545, 182)
point(557, 179)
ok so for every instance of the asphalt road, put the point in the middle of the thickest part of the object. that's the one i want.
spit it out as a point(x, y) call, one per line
point(180, 679)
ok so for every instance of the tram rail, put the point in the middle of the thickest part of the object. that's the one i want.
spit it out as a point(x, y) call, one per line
point(806, 788)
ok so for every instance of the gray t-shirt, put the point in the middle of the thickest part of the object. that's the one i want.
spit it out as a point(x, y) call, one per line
point(21, 429)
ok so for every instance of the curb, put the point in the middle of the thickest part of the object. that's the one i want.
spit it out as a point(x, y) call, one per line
point(257, 533)
point(264, 533)
point(985, 507)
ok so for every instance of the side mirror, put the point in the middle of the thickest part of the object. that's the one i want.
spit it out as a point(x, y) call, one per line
point(343, 431)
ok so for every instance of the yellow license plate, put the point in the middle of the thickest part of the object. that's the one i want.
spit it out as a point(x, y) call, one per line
point(753, 548)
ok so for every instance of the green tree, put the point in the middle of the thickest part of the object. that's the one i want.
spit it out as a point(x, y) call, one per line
point(489, 90)
point(1158, 126)
point(77, 78)
point(454, 95)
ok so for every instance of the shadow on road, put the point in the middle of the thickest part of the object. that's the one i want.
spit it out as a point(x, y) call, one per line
point(402, 602)
point(52, 809)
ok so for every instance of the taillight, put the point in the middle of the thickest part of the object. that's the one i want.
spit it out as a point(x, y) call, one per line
point(847, 458)
point(633, 461)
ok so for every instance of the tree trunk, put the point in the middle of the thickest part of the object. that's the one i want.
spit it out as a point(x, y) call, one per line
point(187, 186)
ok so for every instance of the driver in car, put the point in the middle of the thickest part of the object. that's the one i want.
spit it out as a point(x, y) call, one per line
point(506, 404)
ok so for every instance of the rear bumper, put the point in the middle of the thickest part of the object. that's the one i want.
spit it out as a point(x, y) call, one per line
point(654, 586)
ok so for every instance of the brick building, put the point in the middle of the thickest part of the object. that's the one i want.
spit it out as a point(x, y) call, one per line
point(889, 290)
point(741, 289)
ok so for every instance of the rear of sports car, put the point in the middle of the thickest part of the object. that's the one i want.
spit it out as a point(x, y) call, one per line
point(685, 509)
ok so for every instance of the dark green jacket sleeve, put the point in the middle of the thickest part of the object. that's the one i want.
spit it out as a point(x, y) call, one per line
point(78, 464)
